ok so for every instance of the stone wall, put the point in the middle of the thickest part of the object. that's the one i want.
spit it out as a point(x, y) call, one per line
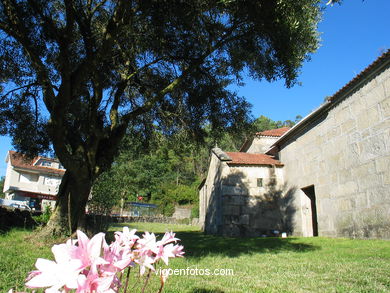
point(232, 203)
point(345, 154)
point(249, 210)
point(182, 213)
point(261, 144)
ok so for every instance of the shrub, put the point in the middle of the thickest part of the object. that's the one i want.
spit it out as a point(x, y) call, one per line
point(44, 217)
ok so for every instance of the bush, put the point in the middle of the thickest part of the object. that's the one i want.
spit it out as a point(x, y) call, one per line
point(44, 217)
point(195, 212)
point(166, 208)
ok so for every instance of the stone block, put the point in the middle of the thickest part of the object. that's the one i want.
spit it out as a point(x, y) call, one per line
point(354, 137)
point(382, 164)
point(385, 108)
point(386, 178)
point(357, 105)
point(232, 190)
point(332, 133)
point(335, 162)
point(344, 175)
point(352, 155)
point(368, 118)
point(381, 127)
point(363, 169)
point(376, 95)
point(342, 112)
point(237, 200)
point(344, 204)
point(231, 231)
point(264, 224)
point(244, 219)
point(368, 88)
point(359, 201)
point(253, 201)
point(228, 210)
point(366, 133)
point(373, 147)
point(378, 196)
point(236, 210)
point(349, 187)
point(227, 199)
point(348, 126)
point(369, 181)
point(386, 85)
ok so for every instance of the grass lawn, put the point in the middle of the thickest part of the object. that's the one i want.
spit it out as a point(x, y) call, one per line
point(258, 264)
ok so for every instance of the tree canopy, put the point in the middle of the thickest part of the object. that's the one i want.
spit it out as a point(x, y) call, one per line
point(76, 74)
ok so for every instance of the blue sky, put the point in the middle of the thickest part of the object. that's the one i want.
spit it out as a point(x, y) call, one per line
point(353, 35)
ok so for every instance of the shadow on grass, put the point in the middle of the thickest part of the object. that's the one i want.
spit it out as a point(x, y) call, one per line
point(202, 290)
point(197, 244)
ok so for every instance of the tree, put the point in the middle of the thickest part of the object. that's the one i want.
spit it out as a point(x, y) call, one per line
point(2, 180)
point(264, 123)
point(75, 74)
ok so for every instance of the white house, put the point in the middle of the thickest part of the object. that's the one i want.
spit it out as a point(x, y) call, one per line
point(34, 181)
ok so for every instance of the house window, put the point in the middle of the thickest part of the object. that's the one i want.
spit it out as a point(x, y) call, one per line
point(52, 181)
point(259, 182)
point(28, 178)
point(46, 163)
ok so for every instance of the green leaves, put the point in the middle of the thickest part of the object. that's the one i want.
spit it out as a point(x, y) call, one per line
point(78, 75)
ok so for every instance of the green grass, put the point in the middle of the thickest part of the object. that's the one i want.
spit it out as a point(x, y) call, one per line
point(259, 264)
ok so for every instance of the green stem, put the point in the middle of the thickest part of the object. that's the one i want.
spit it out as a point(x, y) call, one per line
point(146, 281)
point(127, 279)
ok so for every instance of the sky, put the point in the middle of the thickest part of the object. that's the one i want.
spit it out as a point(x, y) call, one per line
point(353, 35)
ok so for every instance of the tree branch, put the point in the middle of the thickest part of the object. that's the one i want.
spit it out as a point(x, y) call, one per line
point(121, 86)
point(19, 88)
point(16, 29)
point(93, 10)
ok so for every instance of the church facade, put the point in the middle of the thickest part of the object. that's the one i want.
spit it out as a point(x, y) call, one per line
point(329, 175)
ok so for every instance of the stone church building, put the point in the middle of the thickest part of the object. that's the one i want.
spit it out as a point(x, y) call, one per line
point(329, 175)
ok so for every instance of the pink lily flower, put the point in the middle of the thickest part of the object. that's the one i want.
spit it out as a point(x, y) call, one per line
point(169, 251)
point(126, 238)
point(168, 238)
point(89, 250)
point(55, 274)
point(94, 282)
point(145, 261)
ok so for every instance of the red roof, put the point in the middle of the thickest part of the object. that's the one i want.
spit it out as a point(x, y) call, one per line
point(18, 160)
point(274, 132)
point(239, 158)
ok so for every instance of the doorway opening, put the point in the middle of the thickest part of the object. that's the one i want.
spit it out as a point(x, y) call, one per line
point(310, 193)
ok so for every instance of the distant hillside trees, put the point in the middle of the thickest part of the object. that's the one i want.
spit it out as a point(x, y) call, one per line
point(167, 170)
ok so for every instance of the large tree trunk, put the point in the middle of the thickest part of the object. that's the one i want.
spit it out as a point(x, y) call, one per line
point(69, 213)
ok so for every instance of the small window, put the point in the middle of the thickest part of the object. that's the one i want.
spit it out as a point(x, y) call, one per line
point(52, 181)
point(46, 163)
point(259, 182)
point(28, 178)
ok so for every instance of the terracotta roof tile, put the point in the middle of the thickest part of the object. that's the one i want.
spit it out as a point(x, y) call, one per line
point(274, 132)
point(239, 158)
point(18, 160)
